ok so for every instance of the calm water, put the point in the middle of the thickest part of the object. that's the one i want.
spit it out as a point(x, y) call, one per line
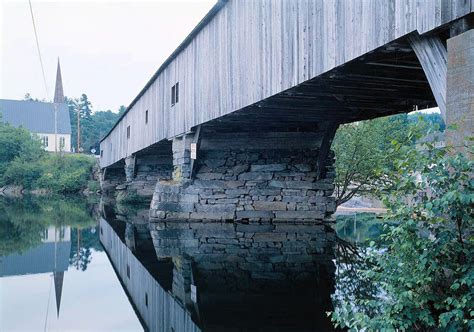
point(78, 265)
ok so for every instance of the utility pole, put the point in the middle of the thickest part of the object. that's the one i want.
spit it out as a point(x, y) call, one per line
point(55, 127)
point(78, 129)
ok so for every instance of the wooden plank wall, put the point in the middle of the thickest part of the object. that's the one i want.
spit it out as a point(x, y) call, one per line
point(251, 50)
point(163, 313)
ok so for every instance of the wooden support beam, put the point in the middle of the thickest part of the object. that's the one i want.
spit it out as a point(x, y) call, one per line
point(325, 148)
point(432, 55)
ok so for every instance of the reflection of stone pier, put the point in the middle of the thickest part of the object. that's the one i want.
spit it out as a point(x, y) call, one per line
point(251, 276)
point(218, 276)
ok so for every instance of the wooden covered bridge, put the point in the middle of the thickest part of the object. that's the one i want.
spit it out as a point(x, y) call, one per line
point(237, 123)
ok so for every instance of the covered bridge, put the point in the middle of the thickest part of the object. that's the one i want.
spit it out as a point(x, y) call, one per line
point(241, 116)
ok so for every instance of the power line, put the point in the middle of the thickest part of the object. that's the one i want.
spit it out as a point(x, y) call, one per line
point(47, 306)
point(39, 51)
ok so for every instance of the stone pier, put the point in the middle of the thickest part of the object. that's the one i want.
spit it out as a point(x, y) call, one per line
point(460, 90)
point(138, 174)
point(250, 177)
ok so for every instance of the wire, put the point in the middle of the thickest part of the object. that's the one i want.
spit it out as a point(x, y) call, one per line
point(47, 306)
point(39, 51)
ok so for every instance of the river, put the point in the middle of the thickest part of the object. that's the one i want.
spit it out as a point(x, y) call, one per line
point(72, 264)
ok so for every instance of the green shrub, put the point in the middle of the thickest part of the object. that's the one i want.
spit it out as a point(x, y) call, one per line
point(425, 270)
point(23, 162)
point(22, 173)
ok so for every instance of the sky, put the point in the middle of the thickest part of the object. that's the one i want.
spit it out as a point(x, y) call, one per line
point(108, 49)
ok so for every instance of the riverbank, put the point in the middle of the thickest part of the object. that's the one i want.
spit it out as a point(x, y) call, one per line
point(25, 166)
point(51, 174)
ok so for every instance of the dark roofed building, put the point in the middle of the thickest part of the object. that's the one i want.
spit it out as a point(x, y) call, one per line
point(36, 116)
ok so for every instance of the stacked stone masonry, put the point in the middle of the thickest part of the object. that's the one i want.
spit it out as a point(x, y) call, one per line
point(143, 171)
point(264, 251)
point(252, 185)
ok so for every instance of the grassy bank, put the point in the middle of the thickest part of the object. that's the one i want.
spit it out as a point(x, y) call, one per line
point(24, 163)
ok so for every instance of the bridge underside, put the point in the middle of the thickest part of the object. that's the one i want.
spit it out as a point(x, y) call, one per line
point(387, 81)
point(271, 162)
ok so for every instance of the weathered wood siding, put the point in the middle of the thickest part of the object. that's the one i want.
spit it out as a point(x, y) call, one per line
point(251, 50)
point(163, 312)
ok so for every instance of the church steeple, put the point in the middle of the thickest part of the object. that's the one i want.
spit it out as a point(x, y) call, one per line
point(58, 91)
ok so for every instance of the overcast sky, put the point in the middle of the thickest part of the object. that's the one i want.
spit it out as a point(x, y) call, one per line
point(108, 49)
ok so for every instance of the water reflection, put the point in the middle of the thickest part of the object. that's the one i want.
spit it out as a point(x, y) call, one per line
point(222, 277)
point(166, 276)
point(356, 231)
point(46, 246)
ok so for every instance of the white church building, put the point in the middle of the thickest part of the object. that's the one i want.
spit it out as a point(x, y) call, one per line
point(54, 130)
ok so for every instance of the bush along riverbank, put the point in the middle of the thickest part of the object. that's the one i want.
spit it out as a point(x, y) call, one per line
point(26, 168)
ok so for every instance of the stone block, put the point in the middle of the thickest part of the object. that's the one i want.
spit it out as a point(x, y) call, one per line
point(174, 243)
point(268, 168)
point(269, 206)
point(255, 228)
point(299, 184)
point(188, 198)
point(175, 207)
point(254, 214)
point(265, 192)
point(227, 201)
point(231, 193)
point(295, 199)
point(209, 176)
point(255, 176)
point(277, 184)
point(269, 237)
point(167, 187)
point(212, 216)
point(215, 208)
point(157, 214)
point(236, 170)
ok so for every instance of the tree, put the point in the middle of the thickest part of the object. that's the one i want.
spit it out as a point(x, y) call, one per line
point(17, 143)
point(361, 155)
point(121, 110)
point(425, 271)
point(73, 108)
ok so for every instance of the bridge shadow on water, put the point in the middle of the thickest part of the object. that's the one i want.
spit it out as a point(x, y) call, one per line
point(225, 277)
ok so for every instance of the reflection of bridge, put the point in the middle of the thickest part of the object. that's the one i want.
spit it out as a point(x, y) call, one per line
point(224, 276)
point(158, 310)
point(237, 124)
